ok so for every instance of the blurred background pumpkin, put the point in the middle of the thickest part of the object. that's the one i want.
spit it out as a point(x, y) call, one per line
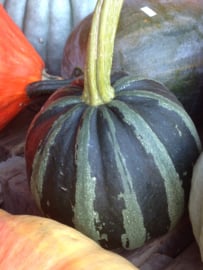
point(47, 24)
point(28, 243)
point(160, 40)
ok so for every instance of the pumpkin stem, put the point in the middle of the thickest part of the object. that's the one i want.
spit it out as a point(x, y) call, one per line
point(97, 83)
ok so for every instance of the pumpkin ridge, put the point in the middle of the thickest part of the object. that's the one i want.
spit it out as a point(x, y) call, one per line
point(135, 154)
point(131, 211)
point(22, 25)
point(89, 185)
point(181, 134)
point(163, 162)
point(57, 108)
point(170, 105)
point(48, 114)
point(84, 211)
point(42, 157)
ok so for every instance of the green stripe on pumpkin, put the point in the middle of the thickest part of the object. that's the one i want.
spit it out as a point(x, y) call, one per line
point(169, 105)
point(43, 154)
point(133, 221)
point(154, 146)
point(85, 215)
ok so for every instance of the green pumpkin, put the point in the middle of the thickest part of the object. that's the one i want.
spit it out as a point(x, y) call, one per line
point(167, 47)
point(47, 24)
point(108, 159)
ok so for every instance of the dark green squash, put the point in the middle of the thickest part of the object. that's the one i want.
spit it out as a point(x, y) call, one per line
point(110, 159)
point(47, 24)
point(167, 47)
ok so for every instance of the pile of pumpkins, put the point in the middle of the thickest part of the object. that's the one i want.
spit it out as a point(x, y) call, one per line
point(110, 152)
point(47, 24)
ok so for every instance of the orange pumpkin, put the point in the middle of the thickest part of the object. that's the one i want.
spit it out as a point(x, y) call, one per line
point(30, 242)
point(20, 65)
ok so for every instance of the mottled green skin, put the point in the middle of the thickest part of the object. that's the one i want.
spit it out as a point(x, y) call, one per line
point(167, 47)
point(111, 170)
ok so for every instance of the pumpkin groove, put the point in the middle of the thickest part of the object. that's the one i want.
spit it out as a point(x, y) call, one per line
point(110, 167)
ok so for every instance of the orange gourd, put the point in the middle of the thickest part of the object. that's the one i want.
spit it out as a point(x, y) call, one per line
point(20, 64)
point(30, 242)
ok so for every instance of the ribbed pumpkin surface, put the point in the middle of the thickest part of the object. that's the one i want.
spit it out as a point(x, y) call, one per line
point(118, 172)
